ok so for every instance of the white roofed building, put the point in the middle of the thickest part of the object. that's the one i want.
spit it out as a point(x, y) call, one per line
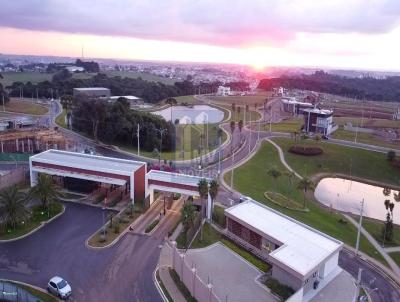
point(302, 257)
point(223, 91)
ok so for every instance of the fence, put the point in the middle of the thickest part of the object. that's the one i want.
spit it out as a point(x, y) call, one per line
point(10, 292)
point(202, 291)
point(13, 177)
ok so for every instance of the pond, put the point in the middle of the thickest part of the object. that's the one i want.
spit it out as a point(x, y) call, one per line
point(197, 114)
point(346, 195)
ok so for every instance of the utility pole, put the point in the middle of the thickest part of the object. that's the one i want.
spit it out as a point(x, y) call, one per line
point(359, 227)
point(138, 139)
point(259, 125)
point(233, 161)
point(161, 131)
point(219, 155)
point(4, 109)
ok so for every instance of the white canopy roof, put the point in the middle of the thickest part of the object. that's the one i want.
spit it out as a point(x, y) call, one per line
point(303, 248)
point(88, 162)
point(177, 178)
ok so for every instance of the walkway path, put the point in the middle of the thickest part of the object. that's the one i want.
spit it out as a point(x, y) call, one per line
point(376, 245)
point(170, 285)
point(367, 235)
point(392, 249)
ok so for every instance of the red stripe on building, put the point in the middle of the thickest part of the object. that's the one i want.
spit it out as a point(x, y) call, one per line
point(172, 185)
point(78, 170)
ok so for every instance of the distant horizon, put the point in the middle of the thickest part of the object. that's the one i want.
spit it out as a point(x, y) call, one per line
point(334, 34)
point(157, 61)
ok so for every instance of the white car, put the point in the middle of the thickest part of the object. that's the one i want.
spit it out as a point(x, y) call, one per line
point(59, 287)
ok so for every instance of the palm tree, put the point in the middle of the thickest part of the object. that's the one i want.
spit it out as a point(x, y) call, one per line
point(388, 229)
point(202, 187)
point(396, 196)
point(386, 191)
point(188, 215)
point(46, 191)
point(233, 125)
point(275, 174)
point(13, 206)
point(290, 175)
point(306, 184)
point(233, 110)
point(238, 112)
point(240, 126)
point(213, 191)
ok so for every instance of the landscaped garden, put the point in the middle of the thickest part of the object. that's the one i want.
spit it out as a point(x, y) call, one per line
point(19, 215)
point(252, 179)
point(115, 225)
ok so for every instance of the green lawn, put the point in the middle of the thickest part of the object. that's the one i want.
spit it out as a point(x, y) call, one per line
point(341, 159)
point(252, 180)
point(25, 107)
point(188, 138)
point(375, 229)
point(60, 119)
point(33, 77)
point(211, 236)
point(38, 216)
point(367, 122)
point(396, 257)
point(290, 125)
point(365, 138)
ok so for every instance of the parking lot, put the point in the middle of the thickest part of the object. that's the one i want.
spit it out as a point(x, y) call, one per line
point(120, 273)
point(233, 278)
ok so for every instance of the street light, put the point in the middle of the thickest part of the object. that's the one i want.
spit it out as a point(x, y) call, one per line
point(161, 131)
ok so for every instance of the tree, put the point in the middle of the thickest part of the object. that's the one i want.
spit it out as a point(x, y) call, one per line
point(391, 155)
point(238, 112)
point(386, 191)
point(46, 191)
point(290, 175)
point(387, 231)
point(214, 186)
point(305, 185)
point(188, 215)
point(13, 206)
point(202, 187)
point(275, 174)
point(171, 102)
point(233, 110)
point(240, 126)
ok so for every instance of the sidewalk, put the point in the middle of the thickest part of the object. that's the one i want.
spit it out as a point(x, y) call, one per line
point(170, 285)
point(165, 262)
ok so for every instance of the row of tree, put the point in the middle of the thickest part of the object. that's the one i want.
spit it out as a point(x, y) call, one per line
point(387, 89)
point(116, 123)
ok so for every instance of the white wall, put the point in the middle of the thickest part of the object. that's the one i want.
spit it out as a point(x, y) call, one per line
point(330, 265)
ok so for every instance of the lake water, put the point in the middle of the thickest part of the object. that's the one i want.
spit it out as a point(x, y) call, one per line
point(197, 114)
point(346, 195)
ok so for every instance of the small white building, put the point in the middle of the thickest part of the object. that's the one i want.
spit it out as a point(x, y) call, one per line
point(319, 121)
point(73, 69)
point(303, 258)
point(223, 91)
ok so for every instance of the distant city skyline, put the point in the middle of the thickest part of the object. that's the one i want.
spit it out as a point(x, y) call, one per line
point(348, 34)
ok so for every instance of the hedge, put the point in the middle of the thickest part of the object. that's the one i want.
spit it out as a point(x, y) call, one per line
point(308, 151)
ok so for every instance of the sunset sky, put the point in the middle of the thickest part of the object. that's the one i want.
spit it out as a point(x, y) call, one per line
point(361, 34)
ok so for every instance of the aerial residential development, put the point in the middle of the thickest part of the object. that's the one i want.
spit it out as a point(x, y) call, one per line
point(197, 151)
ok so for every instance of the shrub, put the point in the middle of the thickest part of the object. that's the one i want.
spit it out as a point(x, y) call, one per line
point(219, 216)
point(151, 226)
point(99, 198)
point(281, 290)
point(177, 196)
point(308, 151)
point(115, 200)
point(391, 155)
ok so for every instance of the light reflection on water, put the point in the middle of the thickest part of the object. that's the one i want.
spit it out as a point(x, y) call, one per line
point(197, 114)
point(346, 195)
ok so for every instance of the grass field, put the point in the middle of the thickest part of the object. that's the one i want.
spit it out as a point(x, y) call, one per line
point(43, 296)
point(60, 119)
point(258, 98)
point(252, 180)
point(365, 138)
point(396, 257)
point(341, 159)
point(367, 122)
point(290, 125)
point(187, 142)
point(33, 77)
point(25, 107)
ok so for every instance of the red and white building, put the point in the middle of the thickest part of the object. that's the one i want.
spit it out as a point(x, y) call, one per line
point(114, 171)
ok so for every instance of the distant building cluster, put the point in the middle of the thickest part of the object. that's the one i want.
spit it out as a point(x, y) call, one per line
point(104, 93)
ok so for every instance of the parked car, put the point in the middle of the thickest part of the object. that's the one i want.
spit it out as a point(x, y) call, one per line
point(59, 287)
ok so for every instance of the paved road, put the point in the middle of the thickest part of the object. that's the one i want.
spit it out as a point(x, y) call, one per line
point(387, 292)
point(121, 273)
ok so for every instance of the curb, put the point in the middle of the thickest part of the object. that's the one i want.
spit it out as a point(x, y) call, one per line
point(116, 239)
point(42, 224)
point(158, 286)
point(31, 286)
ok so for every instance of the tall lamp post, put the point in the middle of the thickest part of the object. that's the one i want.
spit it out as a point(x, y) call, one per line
point(161, 131)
